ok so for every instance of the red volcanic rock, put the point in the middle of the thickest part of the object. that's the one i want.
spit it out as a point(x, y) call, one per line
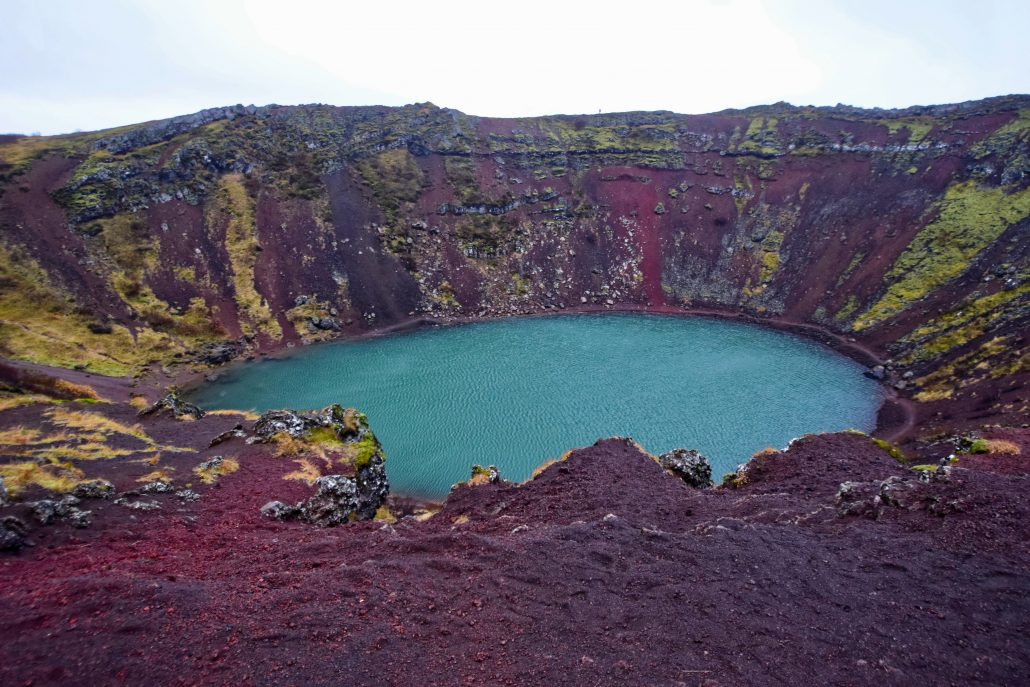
point(604, 569)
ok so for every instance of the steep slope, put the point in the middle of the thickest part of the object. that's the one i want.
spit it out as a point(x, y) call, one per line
point(905, 229)
point(603, 570)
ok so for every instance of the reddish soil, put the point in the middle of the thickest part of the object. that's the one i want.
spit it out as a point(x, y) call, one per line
point(602, 570)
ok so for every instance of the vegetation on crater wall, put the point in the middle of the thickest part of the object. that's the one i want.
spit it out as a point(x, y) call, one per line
point(394, 177)
point(40, 323)
point(233, 208)
point(972, 318)
point(970, 219)
point(995, 358)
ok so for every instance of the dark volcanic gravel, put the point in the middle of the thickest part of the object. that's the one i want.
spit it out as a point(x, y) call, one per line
point(603, 570)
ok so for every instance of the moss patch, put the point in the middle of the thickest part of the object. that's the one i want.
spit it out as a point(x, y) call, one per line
point(233, 206)
point(970, 219)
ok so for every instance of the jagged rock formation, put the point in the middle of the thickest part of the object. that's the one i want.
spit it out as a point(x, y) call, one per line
point(689, 465)
point(243, 228)
point(338, 499)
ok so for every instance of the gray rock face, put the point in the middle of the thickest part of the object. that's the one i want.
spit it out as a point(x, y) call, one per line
point(335, 499)
point(4, 497)
point(338, 498)
point(689, 465)
point(167, 128)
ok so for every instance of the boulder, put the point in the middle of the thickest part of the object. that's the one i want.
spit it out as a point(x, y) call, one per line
point(12, 534)
point(335, 500)
point(481, 475)
point(4, 497)
point(156, 487)
point(94, 489)
point(690, 465)
point(218, 353)
point(338, 498)
point(277, 510)
point(188, 495)
point(878, 372)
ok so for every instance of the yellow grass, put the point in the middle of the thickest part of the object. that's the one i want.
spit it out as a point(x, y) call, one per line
point(19, 436)
point(211, 475)
point(161, 475)
point(56, 478)
point(73, 390)
point(245, 414)
point(12, 401)
point(81, 452)
point(95, 422)
point(1001, 446)
point(307, 473)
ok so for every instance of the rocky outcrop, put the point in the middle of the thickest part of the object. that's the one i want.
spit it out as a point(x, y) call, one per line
point(171, 403)
point(338, 498)
point(94, 489)
point(345, 424)
point(689, 465)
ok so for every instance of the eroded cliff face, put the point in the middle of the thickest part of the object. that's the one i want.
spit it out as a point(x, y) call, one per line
point(275, 225)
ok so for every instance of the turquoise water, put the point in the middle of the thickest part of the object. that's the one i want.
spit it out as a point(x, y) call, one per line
point(517, 392)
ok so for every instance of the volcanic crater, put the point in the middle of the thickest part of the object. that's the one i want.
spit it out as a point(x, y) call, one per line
point(147, 541)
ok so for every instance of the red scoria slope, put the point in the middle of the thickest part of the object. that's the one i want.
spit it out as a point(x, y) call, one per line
point(604, 569)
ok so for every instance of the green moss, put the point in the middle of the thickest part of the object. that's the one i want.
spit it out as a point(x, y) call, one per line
point(970, 219)
point(847, 310)
point(918, 127)
point(771, 255)
point(891, 450)
point(461, 175)
point(998, 357)
point(233, 207)
point(364, 451)
point(395, 179)
point(852, 266)
point(323, 436)
point(971, 319)
point(301, 315)
point(1006, 139)
point(485, 235)
point(979, 446)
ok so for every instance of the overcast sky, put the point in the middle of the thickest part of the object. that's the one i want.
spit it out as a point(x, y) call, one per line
point(89, 64)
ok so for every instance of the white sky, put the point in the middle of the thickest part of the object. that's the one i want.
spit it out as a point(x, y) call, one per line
point(89, 64)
